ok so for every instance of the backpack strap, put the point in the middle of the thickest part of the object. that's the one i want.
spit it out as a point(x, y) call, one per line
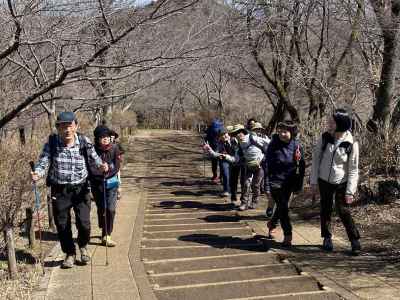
point(253, 142)
point(53, 151)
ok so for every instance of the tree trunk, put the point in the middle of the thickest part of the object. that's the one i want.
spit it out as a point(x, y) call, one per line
point(384, 93)
point(12, 261)
point(30, 228)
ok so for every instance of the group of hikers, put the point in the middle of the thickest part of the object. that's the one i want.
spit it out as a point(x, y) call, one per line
point(77, 169)
point(276, 166)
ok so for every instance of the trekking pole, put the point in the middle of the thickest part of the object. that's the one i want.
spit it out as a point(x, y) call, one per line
point(105, 215)
point(37, 208)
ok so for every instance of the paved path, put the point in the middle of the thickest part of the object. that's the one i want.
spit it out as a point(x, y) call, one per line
point(178, 240)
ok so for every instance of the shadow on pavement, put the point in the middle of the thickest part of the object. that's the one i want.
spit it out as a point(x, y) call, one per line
point(231, 242)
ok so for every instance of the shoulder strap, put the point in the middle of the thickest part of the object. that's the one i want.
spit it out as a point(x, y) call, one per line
point(83, 147)
point(255, 143)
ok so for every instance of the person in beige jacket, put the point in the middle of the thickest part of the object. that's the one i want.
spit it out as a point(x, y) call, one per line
point(335, 174)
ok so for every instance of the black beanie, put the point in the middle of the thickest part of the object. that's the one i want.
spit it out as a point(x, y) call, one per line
point(290, 126)
point(342, 120)
point(101, 131)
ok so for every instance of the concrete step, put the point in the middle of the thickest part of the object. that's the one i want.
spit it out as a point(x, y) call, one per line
point(194, 227)
point(223, 275)
point(198, 214)
point(314, 295)
point(190, 234)
point(210, 263)
point(193, 220)
point(239, 289)
point(165, 254)
point(218, 242)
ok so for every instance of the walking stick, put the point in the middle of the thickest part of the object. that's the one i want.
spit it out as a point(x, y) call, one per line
point(105, 216)
point(37, 208)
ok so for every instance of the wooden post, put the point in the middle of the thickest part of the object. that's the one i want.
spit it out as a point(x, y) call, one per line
point(52, 225)
point(12, 261)
point(30, 228)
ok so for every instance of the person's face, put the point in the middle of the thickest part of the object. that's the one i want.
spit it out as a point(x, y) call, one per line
point(67, 131)
point(251, 123)
point(284, 135)
point(241, 136)
point(105, 140)
point(225, 137)
point(330, 125)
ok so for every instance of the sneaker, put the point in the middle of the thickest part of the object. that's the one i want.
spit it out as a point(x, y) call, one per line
point(225, 194)
point(287, 241)
point(85, 257)
point(68, 262)
point(243, 207)
point(327, 244)
point(107, 241)
point(355, 247)
point(269, 212)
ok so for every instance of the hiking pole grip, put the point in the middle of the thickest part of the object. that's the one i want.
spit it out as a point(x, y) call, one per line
point(32, 164)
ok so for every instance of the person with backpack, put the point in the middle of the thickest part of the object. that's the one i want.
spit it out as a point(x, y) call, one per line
point(212, 138)
point(286, 168)
point(106, 199)
point(224, 146)
point(66, 156)
point(251, 150)
point(334, 173)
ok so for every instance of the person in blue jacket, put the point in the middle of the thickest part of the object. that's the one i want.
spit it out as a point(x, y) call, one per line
point(286, 168)
point(212, 139)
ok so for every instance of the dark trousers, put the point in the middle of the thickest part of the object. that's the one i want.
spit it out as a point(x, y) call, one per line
point(281, 197)
point(110, 200)
point(225, 171)
point(234, 180)
point(214, 167)
point(328, 192)
point(65, 197)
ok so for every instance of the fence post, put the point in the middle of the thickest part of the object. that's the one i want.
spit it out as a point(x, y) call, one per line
point(30, 228)
point(12, 261)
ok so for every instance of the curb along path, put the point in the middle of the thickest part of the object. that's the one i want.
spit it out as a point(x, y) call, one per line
point(189, 244)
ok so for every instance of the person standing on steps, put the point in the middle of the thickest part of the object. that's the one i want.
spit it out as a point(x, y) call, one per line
point(334, 173)
point(212, 139)
point(66, 155)
point(286, 168)
point(251, 151)
point(106, 200)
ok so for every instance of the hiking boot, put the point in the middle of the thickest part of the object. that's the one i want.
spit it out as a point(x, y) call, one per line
point(269, 212)
point(287, 241)
point(107, 241)
point(68, 262)
point(243, 207)
point(271, 228)
point(355, 247)
point(327, 244)
point(215, 180)
point(225, 194)
point(85, 257)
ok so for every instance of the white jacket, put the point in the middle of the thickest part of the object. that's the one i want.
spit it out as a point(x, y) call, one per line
point(334, 165)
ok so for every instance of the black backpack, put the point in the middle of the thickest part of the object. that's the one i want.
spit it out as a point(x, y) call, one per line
point(83, 146)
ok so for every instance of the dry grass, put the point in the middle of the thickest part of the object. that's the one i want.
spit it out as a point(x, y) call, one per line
point(21, 287)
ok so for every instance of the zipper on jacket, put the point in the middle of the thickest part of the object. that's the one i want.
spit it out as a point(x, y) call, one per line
point(330, 168)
